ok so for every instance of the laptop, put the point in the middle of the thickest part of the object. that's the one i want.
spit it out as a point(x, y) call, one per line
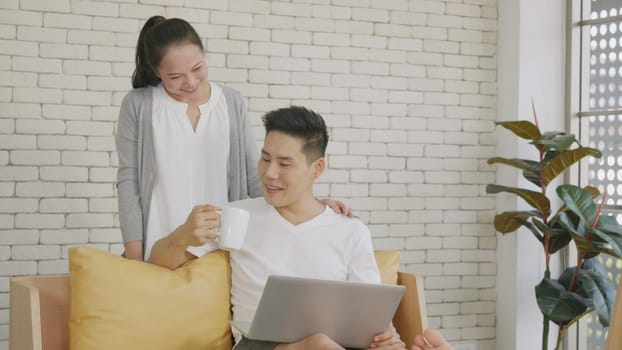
point(293, 308)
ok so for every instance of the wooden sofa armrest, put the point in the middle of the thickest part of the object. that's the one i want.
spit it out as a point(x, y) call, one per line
point(39, 313)
point(411, 317)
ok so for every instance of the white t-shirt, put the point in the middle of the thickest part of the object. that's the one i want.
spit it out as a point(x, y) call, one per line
point(191, 165)
point(329, 246)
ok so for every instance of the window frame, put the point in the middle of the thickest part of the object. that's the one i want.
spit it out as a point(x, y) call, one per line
point(577, 107)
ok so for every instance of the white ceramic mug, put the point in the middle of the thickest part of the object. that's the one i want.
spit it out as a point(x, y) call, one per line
point(232, 230)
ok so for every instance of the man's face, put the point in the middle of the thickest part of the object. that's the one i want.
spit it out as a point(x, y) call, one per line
point(286, 175)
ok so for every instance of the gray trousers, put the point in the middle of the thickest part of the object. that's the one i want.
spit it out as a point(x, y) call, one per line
point(250, 344)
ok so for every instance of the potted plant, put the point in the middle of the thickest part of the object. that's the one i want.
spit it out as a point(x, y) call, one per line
point(579, 289)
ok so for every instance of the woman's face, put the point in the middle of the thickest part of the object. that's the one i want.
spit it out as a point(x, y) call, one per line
point(183, 71)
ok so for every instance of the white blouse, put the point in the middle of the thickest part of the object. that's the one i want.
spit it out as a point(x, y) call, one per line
point(191, 166)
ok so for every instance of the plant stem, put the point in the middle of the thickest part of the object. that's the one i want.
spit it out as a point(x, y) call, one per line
point(545, 334)
point(545, 322)
point(545, 216)
point(547, 243)
point(575, 275)
point(559, 335)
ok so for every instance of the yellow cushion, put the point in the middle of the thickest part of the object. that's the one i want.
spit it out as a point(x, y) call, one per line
point(124, 304)
point(388, 262)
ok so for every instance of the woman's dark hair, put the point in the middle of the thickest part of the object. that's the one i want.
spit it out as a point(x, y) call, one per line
point(300, 122)
point(155, 37)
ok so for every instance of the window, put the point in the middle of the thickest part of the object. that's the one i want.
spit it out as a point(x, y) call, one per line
point(595, 95)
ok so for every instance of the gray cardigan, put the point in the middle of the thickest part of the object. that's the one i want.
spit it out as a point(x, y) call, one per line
point(136, 175)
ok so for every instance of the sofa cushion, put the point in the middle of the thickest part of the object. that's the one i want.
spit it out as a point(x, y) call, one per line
point(388, 262)
point(124, 304)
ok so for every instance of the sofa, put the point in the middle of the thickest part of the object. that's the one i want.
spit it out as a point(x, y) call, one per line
point(40, 305)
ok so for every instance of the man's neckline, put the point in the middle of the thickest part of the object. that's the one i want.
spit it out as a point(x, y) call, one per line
point(326, 210)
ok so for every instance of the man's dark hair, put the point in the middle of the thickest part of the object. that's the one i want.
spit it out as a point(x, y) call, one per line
point(303, 123)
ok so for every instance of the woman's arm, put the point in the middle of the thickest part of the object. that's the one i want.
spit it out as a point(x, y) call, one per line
point(251, 155)
point(126, 140)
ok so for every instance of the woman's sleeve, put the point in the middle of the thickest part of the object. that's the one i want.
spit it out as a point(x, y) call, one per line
point(251, 155)
point(126, 139)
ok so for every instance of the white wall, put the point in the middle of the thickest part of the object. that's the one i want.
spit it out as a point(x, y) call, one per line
point(531, 68)
point(408, 89)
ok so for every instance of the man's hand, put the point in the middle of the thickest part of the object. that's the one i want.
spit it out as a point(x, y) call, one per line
point(388, 340)
point(200, 227)
point(337, 206)
point(431, 340)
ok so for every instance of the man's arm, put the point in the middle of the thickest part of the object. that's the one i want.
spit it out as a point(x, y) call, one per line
point(200, 227)
point(169, 252)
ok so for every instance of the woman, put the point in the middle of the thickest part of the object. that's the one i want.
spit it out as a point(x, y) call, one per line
point(181, 140)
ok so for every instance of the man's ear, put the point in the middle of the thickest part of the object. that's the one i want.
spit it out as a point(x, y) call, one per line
point(319, 165)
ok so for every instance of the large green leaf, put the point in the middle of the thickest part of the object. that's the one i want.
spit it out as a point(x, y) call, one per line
point(592, 191)
point(534, 179)
point(579, 201)
point(609, 223)
point(550, 135)
point(558, 238)
point(597, 249)
point(590, 241)
point(522, 129)
point(510, 221)
point(565, 279)
point(601, 291)
point(517, 163)
point(558, 141)
point(533, 176)
point(615, 248)
point(557, 304)
point(565, 160)
point(536, 199)
point(578, 236)
point(537, 166)
point(548, 155)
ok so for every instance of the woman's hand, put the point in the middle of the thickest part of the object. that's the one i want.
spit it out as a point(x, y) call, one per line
point(337, 206)
point(133, 250)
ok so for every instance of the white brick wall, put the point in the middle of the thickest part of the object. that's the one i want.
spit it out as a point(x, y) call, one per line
point(407, 88)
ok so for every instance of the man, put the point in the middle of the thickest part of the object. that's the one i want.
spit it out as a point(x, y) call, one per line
point(290, 232)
